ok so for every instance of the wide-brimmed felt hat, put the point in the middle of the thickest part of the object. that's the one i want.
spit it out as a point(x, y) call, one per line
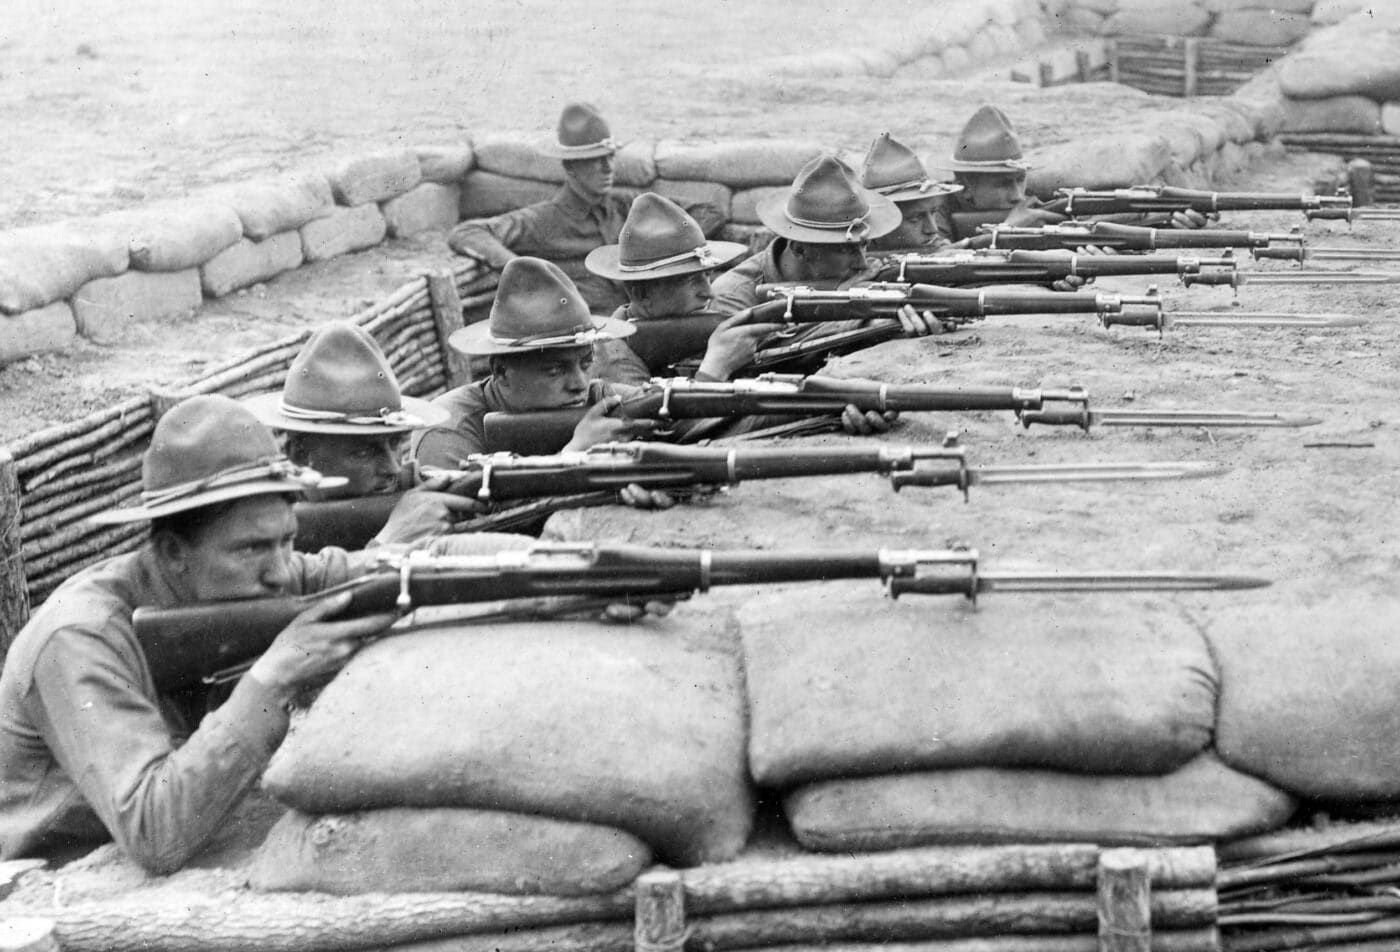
point(660, 240)
point(988, 144)
point(341, 383)
point(582, 134)
point(211, 449)
point(892, 169)
point(826, 205)
point(537, 307)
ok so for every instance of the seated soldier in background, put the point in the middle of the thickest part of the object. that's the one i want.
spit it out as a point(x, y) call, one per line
point(341, 413)
point(664, 261)
point(539, 339)
point(90, 748)
point(989, 165)
point(585, 214)
point(893, 170)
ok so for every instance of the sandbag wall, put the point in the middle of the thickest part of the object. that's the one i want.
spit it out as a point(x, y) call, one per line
point(54, 479)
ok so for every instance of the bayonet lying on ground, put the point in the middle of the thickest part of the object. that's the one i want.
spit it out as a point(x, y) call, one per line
point(184, 645)
point(595, 476)
point(680, 398)
point(804, 305)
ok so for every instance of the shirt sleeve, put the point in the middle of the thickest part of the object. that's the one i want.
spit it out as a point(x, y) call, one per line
point(491, 238)
point(447, 447)
point(161, 802)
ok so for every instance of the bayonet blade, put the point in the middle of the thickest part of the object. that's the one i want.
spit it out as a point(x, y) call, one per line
point(1319, 277)
point(1351, 254)
point(1210, 419)
point(1091, 472)
point(1259, 319)
point(1376, 214)
point(1115, 582)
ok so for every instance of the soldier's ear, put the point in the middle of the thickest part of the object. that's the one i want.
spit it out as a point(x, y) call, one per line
point(798, 249)
point(172, 549)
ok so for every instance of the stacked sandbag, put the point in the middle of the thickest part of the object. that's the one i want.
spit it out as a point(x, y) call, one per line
point(895, 724)
point(1343, 76)
point(637, 729)
point(1100, 162)
point(1307, 699)
point(40, 266)
point(401, 850)
point(1177, 17)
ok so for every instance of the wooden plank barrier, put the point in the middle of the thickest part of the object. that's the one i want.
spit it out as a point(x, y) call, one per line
point(52, 480)
point(1169, 65)
point(1381, 155)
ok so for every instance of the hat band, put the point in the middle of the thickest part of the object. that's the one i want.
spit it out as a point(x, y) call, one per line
point(704, 254)
point(277, 467)
point(857, 229)
point(582, 334)
point(1009, 163)
point(606, 142)
point(384, 416)
point(923, 185)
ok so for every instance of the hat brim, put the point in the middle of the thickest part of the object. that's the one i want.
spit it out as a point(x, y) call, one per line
point(475, 340)
point(884, 217)
point(935, 190)
point(606, 262)
point(999, 167)
point(258, 487)
point(267, 408)
point(555, 150)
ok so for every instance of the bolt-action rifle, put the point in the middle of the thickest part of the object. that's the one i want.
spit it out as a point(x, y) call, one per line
point(959, 269)
point(596, 476)
point(670, 399)
point(1167, 200)
point(192, 643)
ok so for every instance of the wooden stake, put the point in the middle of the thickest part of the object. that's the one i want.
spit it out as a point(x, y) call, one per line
point(447, 316)
point(1361, 182)
point(1113, 70)
point(660, 922)
point(1125, 911)
point(1188, 79)
point(14, 589)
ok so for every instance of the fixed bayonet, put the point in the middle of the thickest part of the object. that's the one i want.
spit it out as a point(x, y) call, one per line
point(1159, 318)
point(968, 476)
point(975, 583)
point(1084, 418)
point(1236, 278)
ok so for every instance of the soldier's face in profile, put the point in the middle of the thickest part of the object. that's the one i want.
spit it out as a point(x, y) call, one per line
point(685, 294)
point(917, 228)
point(243, 553)
point(547, 379)
point(992, 190)
point(592, 177)
point(830, 262)
point(373, 463)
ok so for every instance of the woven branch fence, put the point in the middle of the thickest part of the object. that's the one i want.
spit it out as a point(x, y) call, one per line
point(1186, 66)
point(1382, 152)
point(52, 480)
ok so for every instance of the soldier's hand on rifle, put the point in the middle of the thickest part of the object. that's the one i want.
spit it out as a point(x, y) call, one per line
point(425, 512)
point(921, 323)
point(311, 649)
point(1189, 218)
point(1071, 282)
point(639, 497)
point(598, 426)
point(627, 612)
point(733, 344)
point(867, 423)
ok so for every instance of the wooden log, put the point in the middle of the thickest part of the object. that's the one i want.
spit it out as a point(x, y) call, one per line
point(34, 528)
point(164, 398)
point(927, 871)
point(86, 458)
point(1311, 937)
point(1299, 842)
point(660, 912)
point(586, 937)
point(940, 918)
point(447, 317)
point(1304, 905)
point(136, 417)
point(24, 934)
point(114, 472)
point(14, 589)
point(314, 922)
point(80, 542)
point(51, 503)
point(41, 587)
point(1185, 940)
point(1361, 182)
point(50, 436)
point(1254, 875)
point(1124, 902)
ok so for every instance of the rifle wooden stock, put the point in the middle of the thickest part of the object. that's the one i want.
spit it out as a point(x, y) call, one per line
point(663, 342)
point(1168, 200)
point(347, 523)
point(1075, 235)
point(1038, 267)
point(546, 431)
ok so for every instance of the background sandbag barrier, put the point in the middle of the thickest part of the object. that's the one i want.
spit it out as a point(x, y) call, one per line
point(52, 480)
point(1047, 897)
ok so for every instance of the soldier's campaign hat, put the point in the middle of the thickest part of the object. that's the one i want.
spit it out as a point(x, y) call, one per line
point(341, 383)
point(210, 449)
point(988, 144)
point(892, 169)
point(660, 240)
point(826, 205)
point(537, 308)
point(582, 134)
